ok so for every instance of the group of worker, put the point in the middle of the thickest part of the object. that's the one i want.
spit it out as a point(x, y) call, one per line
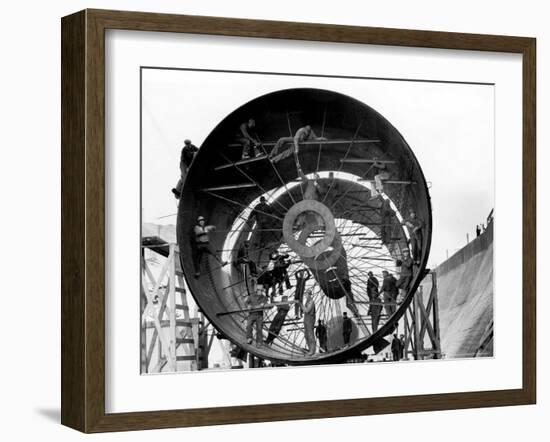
point(271, 279)
point(258, 302)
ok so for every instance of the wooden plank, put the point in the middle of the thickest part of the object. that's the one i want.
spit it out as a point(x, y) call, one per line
point(166, 323)
point(185, 341)
point(318, 142)
point(238, 163)
point(229, 187)
point(185, 358)
point(361, 160)
point(405, 182)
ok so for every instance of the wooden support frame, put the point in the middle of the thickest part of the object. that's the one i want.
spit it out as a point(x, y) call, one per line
point(180, 346)
point(421, 321)
point(83, 219)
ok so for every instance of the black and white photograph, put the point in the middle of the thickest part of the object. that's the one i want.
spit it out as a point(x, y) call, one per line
point(299, 220)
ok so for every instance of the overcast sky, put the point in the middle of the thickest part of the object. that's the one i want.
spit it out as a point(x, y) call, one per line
point(450, 128)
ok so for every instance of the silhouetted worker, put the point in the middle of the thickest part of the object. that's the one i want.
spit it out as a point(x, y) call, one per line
point(262, 213)
point(280, 273)
point(386, 214)
point(186, 158)
point(478, 230)
point(406, 274)
point(301, 278)
point(389, 292)
point(372, 286)
point(303, 134)
point(243, 259)
point(396, 348)
point(402, 344)
point(270, 275)
point(202, 244)
point(255, 319)
point(265, 278)
point(321, 335)
point(346, 328)
point(309, 322)
point(278, 321)
point(248, 137)
point(416, 226)
point(382, 174)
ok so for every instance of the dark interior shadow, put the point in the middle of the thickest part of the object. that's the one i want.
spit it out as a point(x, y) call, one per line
point(52, 414)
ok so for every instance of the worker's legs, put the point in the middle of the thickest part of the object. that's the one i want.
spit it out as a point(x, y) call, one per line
point(179, 186)
point(346, 338)
point(389, 300)
point(403, 286)
point(177, 190)
point(199, 251)
point(310, 335)
point(287, 281)
point(246, 148)
point(416, 240)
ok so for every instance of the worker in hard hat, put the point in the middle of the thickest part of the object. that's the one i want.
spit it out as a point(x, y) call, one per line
point(202, 244)
point(187, 155)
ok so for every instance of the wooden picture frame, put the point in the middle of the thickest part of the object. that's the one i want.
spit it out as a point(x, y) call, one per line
point(83, 220)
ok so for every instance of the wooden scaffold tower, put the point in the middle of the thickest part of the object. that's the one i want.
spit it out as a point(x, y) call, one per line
point(171, 339)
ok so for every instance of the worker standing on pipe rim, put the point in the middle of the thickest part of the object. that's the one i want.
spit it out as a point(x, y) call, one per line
point(186, 158)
